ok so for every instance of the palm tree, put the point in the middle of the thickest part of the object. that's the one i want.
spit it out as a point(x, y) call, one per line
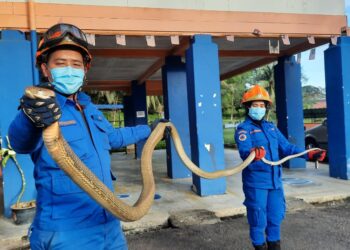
point(155, 105)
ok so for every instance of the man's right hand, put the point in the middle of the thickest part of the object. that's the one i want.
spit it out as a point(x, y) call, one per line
point(317, 155)
point(42, 112)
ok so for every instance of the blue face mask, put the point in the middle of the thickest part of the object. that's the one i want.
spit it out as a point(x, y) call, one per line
point(257, 113)
point(67, 80)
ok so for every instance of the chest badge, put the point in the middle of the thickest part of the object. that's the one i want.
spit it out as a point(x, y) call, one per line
point(242, 137)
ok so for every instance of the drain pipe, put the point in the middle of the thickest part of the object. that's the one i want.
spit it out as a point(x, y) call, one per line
point(33, 39)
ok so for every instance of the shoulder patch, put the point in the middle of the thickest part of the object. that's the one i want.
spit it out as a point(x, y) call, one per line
point(242, 137)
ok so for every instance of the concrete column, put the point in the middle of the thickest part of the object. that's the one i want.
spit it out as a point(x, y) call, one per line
point(129, 120)
point(289, 105)
point(204, 100)
point(128, 111)
point(16, 73)
point(138, 107)
point(176, 110)
point(337, 63)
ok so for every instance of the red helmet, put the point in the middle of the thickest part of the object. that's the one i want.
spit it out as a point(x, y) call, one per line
point(63, 34)
point(256, 93)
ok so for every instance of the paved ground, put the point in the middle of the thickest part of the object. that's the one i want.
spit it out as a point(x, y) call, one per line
point(175, 197)
point(314, 228)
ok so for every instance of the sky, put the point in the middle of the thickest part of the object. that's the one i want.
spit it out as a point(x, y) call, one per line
point(314, 69)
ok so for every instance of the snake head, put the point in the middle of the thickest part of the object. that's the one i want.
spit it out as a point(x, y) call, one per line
point(39, 92)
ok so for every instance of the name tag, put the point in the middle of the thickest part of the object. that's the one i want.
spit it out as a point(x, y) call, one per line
point(67, 123)
point(255, 131)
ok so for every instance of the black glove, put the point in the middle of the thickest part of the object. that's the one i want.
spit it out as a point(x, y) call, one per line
point(167, 130)
point(42, 112)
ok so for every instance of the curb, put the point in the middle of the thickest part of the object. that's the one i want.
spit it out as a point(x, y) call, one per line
point(181, 219)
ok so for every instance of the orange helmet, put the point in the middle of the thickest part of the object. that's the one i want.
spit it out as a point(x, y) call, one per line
point(63, 34)
point(256, 93)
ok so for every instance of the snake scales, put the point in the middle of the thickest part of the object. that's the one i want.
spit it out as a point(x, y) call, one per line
point(66, 159)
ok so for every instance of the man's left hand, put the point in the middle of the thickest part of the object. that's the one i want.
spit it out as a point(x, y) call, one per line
point(167, 130)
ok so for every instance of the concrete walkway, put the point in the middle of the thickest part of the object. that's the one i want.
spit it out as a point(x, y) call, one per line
point(302, 186)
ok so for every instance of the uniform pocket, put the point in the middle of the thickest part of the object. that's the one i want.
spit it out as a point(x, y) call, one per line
point(259, 166)
point(256, 216)
point(74, 136)
point(68, 199)
point(103, 129)
point(62, 184)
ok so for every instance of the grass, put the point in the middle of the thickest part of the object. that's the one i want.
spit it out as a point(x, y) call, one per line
point(229, 134)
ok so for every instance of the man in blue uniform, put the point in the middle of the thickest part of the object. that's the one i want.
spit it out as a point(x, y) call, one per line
point(66, 217)
point(262, 183)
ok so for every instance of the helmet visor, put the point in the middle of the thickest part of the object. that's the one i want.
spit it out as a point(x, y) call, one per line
point(57, 32)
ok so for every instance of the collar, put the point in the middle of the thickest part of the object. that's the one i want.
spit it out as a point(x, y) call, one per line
point(83, 99)
point(251, 121)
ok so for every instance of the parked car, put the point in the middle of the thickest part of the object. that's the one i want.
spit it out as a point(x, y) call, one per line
point(317, 137)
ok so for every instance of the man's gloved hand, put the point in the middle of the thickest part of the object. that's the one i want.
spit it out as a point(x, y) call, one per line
point(42, 112)
point(259, 153)
point(317, 155)
point(156, 122)
point(167, 130)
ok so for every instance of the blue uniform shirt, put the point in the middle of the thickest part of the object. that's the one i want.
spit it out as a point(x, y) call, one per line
point(61, 204)
point(250, 134)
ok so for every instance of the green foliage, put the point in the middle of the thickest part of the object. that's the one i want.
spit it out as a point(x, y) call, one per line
point(232, 90)
point(155, 105)
point(106, 97)
point(229, 134)
point(312, 95)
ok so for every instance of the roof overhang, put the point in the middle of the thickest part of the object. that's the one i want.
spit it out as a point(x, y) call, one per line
point(114, 66)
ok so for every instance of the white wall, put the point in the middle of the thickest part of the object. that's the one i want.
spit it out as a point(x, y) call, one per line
point(330, 7)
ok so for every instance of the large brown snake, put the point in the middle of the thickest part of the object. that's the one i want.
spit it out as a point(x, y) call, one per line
point(66, 159)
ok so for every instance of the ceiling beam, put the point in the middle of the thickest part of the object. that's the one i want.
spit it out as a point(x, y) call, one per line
point(176, 50)
point(266, 60)
point(112, 83)
point(135, 53)
point(153, 87)
point(128, 53)
point(247, 67)
point(245, 53)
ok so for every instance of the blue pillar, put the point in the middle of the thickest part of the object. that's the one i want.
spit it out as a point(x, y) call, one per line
point(337, 63)
point(204, 101)
point(289, 105)
point(34, 47)
point(15, 74)
point(128, 112)
point(176, 110)
point(138, 110)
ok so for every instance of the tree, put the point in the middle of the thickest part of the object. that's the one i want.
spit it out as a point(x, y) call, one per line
point(106, 97)
point(232, 90)
point(155, 105)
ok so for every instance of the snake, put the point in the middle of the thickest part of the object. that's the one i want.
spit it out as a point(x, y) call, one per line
point(81, 175)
